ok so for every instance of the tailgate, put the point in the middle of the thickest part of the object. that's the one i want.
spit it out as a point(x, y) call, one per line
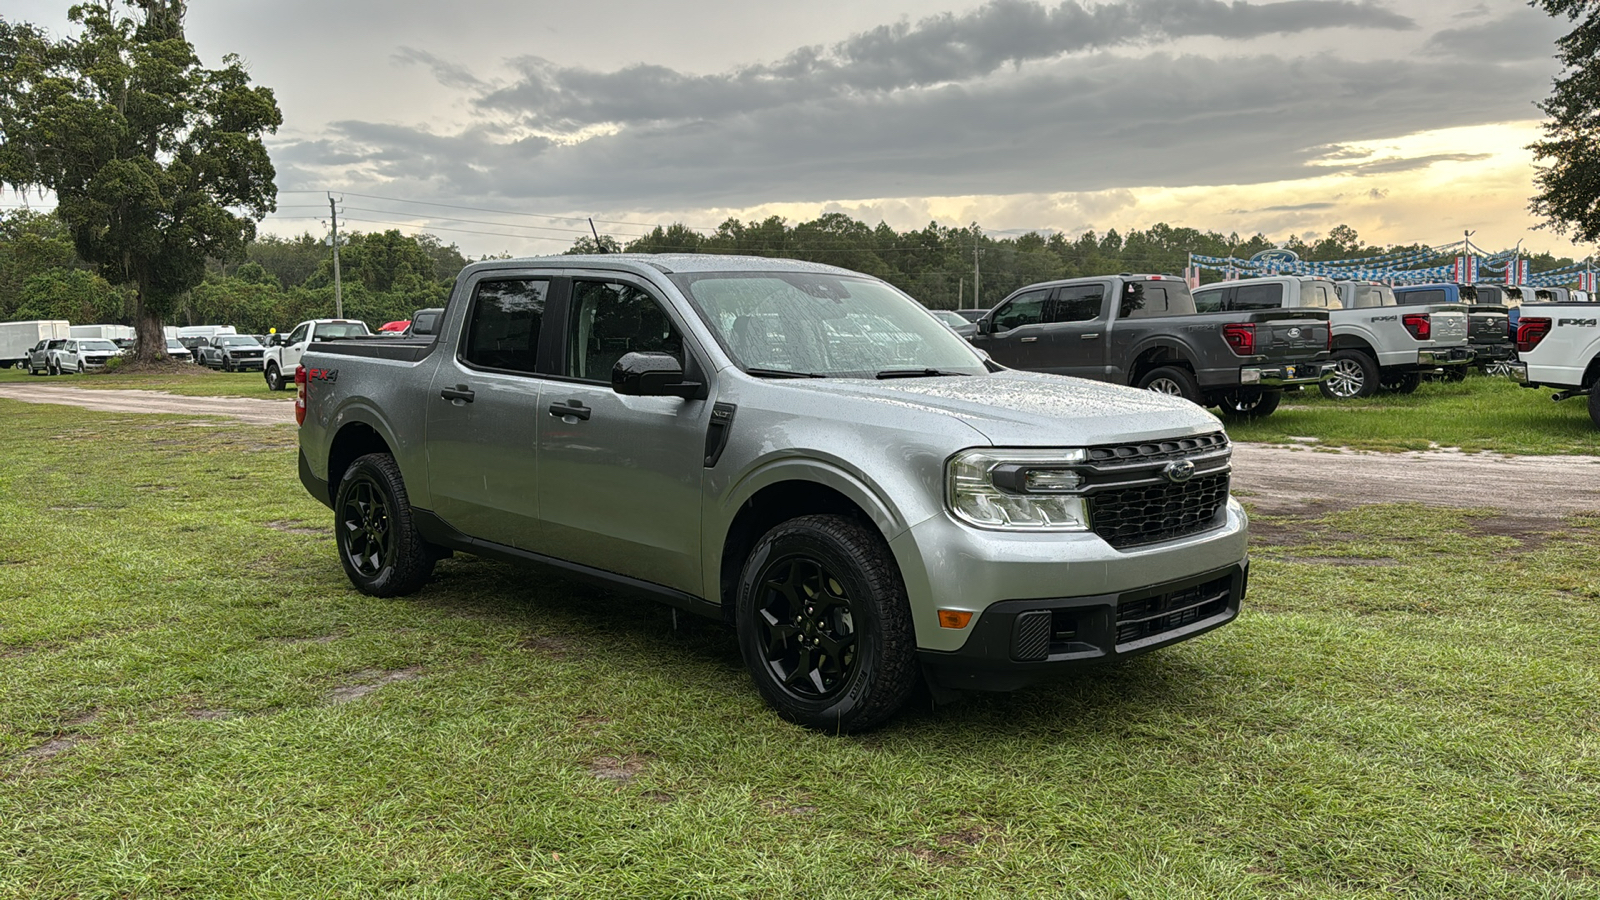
point(1291, 339)
point(1488, 325)
point(1449, 327)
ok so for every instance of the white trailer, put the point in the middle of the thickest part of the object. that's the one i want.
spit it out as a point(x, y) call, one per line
point(204, 331)
point(104, 332)
point(17, 338)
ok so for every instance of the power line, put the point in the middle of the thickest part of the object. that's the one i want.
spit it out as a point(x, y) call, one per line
point(504, 212)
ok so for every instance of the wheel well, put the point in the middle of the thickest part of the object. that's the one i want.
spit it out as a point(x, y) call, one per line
point(1155, 358)
point(770, 506)
point(353, 441)
point(1353, 343)
point(1591, 375)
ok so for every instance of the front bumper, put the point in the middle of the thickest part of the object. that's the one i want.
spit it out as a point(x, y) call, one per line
point(1018, 642)
point(245, 364)
point(1281, 376)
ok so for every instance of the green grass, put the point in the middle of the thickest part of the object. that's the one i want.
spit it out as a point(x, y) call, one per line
point(188, 380)
point(1481, 413)
point(1407, 707)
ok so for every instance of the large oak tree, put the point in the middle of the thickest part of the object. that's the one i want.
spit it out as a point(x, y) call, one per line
point(1569, 179)
point(156, 162)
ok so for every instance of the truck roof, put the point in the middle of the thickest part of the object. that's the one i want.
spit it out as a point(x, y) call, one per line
point(666, 263)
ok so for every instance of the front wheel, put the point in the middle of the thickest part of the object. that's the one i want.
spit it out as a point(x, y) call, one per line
point(1250, 404)
point(1173, 381)
point(824, 625)
point(274, 377)
point(227, 364)
point(383, 553)
point(1403, 384)
point(80, 368)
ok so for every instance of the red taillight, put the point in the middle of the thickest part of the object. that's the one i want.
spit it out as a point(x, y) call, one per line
point(1530, 332)
point(1242, 338)
point(299, 395)
point(1330, 337)
point(1419, 324)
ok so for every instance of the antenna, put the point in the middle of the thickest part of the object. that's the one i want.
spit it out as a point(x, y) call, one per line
point(598, 247)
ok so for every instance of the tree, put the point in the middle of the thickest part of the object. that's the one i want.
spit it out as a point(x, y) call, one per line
point(157, 163)
point(1569, 184)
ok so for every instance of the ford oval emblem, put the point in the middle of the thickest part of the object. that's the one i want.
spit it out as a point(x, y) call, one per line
point(1179, 471)
point(1294, 334)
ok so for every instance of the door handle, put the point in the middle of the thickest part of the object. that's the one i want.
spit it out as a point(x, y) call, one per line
point(1027, 340)
point(459, 392)
point(574, 408)
point(1088, 337)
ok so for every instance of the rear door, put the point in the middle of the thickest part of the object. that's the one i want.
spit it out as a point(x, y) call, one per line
point(619, 485)
point(484, 411)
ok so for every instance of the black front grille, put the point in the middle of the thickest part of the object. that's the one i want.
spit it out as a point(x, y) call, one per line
point(1128, 517)
point(1158, 451)
point(1139, 619)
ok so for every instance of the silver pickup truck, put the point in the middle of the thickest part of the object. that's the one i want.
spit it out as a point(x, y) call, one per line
point(798, 450)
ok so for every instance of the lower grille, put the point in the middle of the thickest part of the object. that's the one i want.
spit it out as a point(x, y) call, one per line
point(1129, 517)
point(1151, 616)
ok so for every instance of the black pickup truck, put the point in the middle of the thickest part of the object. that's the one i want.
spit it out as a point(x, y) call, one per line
point(1143, 330)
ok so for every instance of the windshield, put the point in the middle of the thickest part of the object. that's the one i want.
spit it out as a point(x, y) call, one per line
point(96, 345)
point(950, 318)
point(238, 340)
point(817, 324)
point(174, 345)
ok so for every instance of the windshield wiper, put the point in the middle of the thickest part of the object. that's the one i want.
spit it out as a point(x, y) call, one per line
point(915, 373)
point(782, 373)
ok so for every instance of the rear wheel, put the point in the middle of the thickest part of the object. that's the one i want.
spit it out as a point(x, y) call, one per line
point(274, 377)
point(1594, 403)
point(1173, 381)
point(824, 624)
point(383, 553)
point(1355, 376)
point(1250, 404)
point(1456, 373)
point(1403, 384)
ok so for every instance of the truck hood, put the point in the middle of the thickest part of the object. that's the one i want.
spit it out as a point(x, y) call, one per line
point(1028, 409)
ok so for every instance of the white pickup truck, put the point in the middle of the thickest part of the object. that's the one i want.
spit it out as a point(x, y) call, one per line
point(283, 352)
point(1375, 343)
point(1558, 346)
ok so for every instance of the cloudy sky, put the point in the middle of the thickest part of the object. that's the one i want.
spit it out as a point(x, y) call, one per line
point(1406, 119)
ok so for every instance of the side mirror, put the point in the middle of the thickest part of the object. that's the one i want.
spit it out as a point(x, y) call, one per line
point(985, 325)
point(426, 322)
point(652, 375)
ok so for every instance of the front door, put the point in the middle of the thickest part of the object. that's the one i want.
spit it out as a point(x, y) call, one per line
point(1073, 339)
point(1015, 327)
point(619, 485)
point(484, 415)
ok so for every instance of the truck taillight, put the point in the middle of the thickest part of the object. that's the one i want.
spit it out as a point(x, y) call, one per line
point(1330, 337)
point(299, 395)
point(1419, 324)
point(1530, 332)
point(1242, 338)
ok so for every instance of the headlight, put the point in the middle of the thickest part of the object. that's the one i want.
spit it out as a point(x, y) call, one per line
point(1017, 490)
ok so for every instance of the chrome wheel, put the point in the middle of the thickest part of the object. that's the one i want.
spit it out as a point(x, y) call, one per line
point(1503, 368)
point(807, 627)
point(1348, 380)
point(1166, 386)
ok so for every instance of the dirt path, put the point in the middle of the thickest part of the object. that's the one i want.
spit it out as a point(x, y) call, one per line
point(1274, 479)
point(256, 412)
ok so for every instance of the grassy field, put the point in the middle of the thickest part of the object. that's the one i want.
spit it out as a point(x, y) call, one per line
point(193, 702)
point(188, 380)
point(1481, 413)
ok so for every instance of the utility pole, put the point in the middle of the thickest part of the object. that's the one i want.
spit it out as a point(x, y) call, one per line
point(338, 287)
point(977, 277)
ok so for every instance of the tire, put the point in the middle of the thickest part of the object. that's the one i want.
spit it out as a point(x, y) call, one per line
point(1594, 404)
point(1250, 404)
point(1173, 381)
point(382, 552)
point(80, 367)
point(227, 364)
point(1403, 384)
point(51, 368)
point(273, 376)
point(1355, 376)
point(1456, 373)
point(784, 633)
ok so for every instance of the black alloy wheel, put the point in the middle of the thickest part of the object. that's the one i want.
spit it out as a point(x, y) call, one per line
point(382, 552)
point(824, 624)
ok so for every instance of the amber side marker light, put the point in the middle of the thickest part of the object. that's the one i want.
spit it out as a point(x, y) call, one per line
point(954, 618)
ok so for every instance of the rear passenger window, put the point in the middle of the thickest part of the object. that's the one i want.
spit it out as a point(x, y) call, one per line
point(1142, 300)
point(1258, 296)
point(1079, 303)
point(503, 332)
point(611, 319)
point(1209, 301)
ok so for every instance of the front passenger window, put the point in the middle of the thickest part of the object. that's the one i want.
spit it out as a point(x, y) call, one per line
point(1026, 309)
point(610, 319)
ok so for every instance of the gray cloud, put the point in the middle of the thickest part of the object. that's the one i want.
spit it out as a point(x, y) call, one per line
point(446, 73)
point(1086, 123)
point(1524, 33)
point(1387, 166)
point(1299, 207)
point(935, 51)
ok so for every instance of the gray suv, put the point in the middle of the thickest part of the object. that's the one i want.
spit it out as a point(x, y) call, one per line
point(800, 451)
